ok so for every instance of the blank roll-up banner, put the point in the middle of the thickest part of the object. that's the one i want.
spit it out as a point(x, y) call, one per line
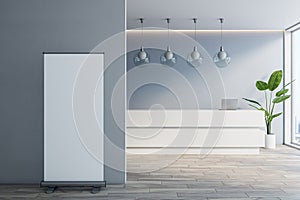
point(73, 118)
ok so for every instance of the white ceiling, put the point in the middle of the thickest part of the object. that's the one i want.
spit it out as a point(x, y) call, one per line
point(238, 14)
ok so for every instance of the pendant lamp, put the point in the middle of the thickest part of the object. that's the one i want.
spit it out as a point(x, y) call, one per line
point(222, 58)
point(195, 58)
point(142, 57)
point(168, 57)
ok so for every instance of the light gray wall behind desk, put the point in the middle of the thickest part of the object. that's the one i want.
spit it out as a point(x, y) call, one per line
point(27, 29)
point(254, 56)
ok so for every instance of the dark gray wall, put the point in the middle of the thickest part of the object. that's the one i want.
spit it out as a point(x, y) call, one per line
point(27, 29)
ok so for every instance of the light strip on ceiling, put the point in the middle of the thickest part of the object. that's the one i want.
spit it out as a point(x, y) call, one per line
point(191, 31)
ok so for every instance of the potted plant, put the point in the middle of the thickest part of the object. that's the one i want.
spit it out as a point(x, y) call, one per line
point(270, 101)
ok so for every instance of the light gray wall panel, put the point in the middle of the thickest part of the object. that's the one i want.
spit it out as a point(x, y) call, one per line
point(255, 55)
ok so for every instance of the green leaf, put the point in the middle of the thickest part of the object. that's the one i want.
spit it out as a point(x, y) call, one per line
point(271, 117)
point(275, 80)
point(254, 107)
point(252, 101)
point(281, 92)
point(266, 112)
point(283, 87)
point(281, 98)
point(261, 108)
point(288, 83)
point(276, 115)
point(260, 85)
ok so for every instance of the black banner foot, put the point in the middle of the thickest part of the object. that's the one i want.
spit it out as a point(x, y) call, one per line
point(95, 190)
point(50, 190)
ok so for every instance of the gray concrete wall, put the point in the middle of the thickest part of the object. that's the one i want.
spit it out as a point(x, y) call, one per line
point(29, 28)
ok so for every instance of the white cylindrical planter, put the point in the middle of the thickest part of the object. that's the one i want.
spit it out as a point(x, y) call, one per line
point(270, 141)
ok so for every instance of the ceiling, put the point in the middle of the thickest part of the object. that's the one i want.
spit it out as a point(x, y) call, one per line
point(238, 14)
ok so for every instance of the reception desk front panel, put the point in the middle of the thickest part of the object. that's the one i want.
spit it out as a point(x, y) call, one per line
point(195, 131)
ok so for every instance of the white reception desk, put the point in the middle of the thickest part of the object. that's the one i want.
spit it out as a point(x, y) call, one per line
point(195, 131)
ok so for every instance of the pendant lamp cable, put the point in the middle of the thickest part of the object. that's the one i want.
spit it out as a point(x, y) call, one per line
point(142, 33)
point(168, 21)
point(221, 20)
point(195, 34)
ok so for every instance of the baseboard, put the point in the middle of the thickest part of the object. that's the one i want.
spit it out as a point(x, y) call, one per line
point(220, 151)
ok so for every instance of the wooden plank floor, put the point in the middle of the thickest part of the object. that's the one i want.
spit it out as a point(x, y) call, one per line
point(272, 175)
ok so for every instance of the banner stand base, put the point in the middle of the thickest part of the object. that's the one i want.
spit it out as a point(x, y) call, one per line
point(52, 185)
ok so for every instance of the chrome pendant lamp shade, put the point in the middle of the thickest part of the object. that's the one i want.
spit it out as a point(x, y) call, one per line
point(168, 57)
point(222, 58)
point(195, 58)
point(142, 57)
